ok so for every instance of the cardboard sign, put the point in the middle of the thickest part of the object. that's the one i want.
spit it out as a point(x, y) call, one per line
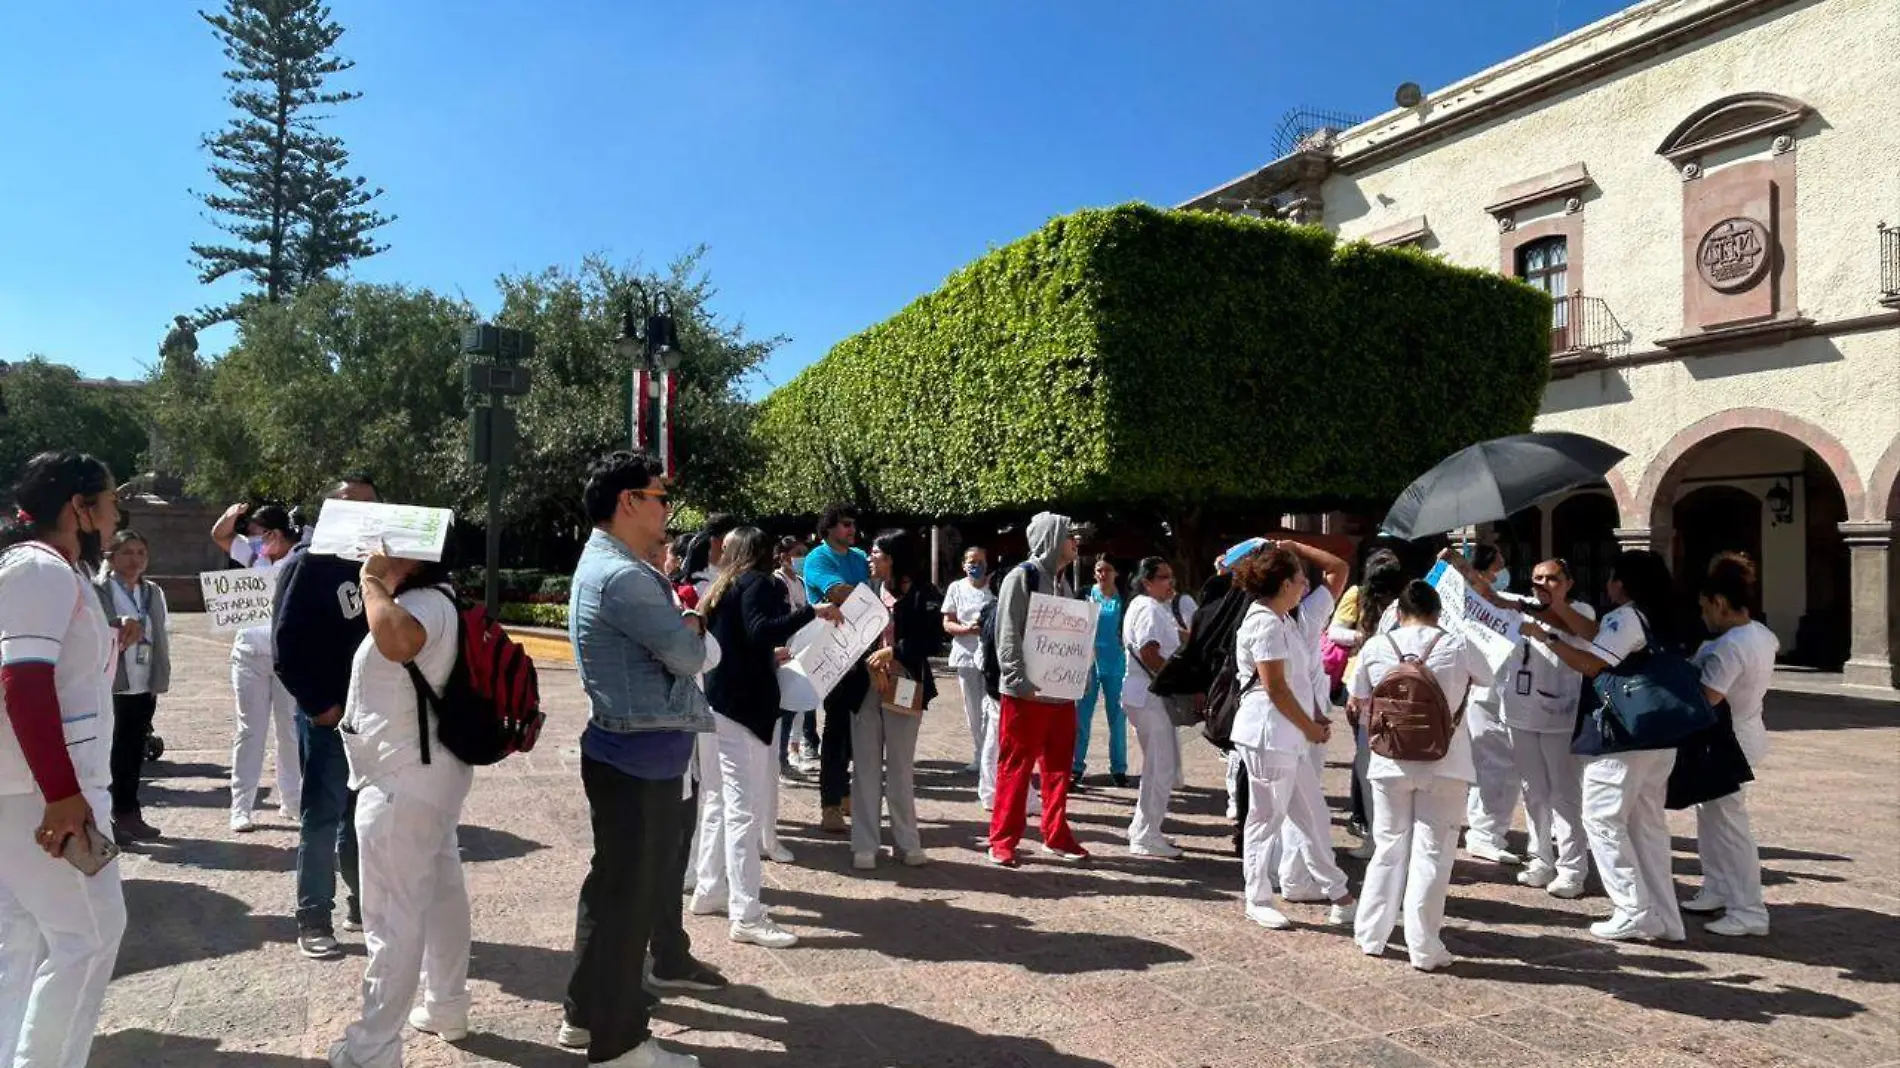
point(1465, 612)
point(240, 599)
point(354, 529)
point(825, 652)
point(1059, 645)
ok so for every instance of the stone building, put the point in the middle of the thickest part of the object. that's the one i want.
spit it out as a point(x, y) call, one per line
point(1710, 191)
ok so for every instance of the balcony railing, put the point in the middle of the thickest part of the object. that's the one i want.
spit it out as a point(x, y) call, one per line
point(1890, 265)
point(1580, 324)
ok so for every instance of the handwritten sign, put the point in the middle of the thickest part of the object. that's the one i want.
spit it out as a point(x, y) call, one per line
point(1059, 645)
point(1467, 614)
point(237, 600)
point(352, 530)
point(825, 652)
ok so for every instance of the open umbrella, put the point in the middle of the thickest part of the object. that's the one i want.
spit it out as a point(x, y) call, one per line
point(1496, 479)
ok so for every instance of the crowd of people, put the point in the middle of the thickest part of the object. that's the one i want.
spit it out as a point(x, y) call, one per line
point(680, 647)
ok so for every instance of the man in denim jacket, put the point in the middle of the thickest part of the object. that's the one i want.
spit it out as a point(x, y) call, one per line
point(637, 653)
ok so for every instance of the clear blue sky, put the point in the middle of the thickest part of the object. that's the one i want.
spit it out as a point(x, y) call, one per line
point(838, 158)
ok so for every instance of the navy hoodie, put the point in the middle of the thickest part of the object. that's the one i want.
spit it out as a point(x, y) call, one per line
point(317, 623)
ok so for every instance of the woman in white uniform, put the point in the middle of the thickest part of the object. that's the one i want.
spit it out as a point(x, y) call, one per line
point(1417, 805)
point(1624, 793)
point(1493, 801)
point(1149, 637)
point(1737, 666)
point(262, 701)
point(1277, 725)
point(59, 929)
point(963, 604)
point(1299, 881)
point(415, 902)
point(1365, 610)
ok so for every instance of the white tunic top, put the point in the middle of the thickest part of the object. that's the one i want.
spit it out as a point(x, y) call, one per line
point(49, 615)
point(1455, 664)
point(1539, 691)
point(1267, 635)
point(964, 602)
point(1739, 665)
point(381, 734)
point(1148, 620)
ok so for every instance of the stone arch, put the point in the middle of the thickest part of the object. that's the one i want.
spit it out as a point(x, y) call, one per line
point(1883, 497)
point(1657, 496)
point(1731, 120)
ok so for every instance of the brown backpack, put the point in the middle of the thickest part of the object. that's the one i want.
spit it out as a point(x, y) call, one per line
point(1410, 717)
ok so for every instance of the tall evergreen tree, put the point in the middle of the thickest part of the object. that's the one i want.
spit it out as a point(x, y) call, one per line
point(287, 198)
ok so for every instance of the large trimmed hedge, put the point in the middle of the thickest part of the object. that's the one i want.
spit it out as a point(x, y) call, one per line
point(1137, 356)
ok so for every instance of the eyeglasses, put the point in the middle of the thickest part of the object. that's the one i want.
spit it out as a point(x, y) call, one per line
point(653, 495)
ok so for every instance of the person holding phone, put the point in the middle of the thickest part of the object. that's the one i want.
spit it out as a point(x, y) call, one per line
point(60, 895)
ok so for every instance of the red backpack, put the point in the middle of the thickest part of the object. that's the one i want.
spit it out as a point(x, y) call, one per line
point(491, 707)
point(1410, 717)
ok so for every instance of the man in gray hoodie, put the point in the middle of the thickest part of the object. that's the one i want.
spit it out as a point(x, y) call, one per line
point(1034, 728)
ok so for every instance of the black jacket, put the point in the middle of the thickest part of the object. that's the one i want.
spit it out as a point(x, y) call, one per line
point(317, 623)
point(917, 625)
point(753, 618)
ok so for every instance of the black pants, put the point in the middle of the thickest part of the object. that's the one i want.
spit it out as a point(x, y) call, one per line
point(634, 876)
point(131, 722)
point(672, 947)
point(834, 749)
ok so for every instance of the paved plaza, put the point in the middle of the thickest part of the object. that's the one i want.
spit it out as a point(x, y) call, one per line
point(1123, 962)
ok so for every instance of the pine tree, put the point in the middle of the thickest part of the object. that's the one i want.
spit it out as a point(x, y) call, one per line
point(287, 198)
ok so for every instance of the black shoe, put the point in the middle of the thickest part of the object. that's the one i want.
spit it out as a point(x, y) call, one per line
point(318, 945)
point(130, 827)
point(696, 976)
point(1121, 782)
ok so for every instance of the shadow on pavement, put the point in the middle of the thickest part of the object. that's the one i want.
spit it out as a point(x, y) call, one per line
point(139, 1048)
point(1794, 712)
point(174, 923)
point(489, 843)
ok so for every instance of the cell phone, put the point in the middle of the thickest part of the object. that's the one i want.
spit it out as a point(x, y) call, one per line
point(90, 850)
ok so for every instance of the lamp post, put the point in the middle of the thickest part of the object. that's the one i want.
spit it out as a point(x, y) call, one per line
point(649, 343)
point(496, 371)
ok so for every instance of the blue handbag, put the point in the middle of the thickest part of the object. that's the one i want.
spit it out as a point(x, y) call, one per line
point(1652, 700)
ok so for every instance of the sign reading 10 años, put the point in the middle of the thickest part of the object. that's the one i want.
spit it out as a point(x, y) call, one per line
point(238, 599)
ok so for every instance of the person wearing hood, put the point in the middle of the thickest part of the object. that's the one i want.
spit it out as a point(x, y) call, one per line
point(1034, 729)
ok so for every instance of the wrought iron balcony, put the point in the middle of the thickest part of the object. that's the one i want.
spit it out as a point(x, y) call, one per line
point(1890, 265)
point(1580, 324)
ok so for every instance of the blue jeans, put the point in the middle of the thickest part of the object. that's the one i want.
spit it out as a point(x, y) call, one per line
point(1110, 689)
point(328, 833)
point(810, 735)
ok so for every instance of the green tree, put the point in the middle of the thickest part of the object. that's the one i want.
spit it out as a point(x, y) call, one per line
point(297, 216)
point(47, 406)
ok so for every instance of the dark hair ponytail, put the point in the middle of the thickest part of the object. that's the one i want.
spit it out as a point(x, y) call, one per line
point(46, 484)
point(1418, 600)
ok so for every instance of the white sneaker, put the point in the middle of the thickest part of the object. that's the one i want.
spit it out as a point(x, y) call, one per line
point(1342, 914)
point(650, 1054)
point(571, 1037)
point(1618, 929)
point(1736, 927)
point(1305, 897)
point(420, 1019)
point(763, 933)
point(809, 765)
point(864, 861)
point(1269, 917)
point(1539, 875)
point(916, 858)
point(241, 823)
point(289, 814)
point(1487, 851)
point(1565, 885)
point(1703, 902)
point(1432, 964)
point(778, 854)
point(1163, 850)
point(1062, 854)
point(1364, 850)
point(708, 904)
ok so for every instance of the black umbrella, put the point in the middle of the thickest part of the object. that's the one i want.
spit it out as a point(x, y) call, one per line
point(1496, 479)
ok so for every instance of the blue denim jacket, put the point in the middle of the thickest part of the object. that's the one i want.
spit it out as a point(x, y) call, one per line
point(636, 657)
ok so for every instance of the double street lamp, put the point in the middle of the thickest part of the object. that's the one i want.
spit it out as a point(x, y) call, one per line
point(649, 342)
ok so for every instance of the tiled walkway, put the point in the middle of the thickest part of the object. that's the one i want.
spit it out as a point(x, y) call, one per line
point(1124, 962)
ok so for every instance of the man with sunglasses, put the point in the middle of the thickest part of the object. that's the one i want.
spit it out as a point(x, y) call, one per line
point(832, 569)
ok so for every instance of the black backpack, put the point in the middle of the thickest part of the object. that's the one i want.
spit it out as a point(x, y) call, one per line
point(1205, 665)
point(986, 631)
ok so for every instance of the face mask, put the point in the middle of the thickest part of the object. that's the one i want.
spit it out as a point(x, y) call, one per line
point(1503, 581)
point(975, 571)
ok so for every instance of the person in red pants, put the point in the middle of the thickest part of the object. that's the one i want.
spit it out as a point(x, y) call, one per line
point(1034, 729)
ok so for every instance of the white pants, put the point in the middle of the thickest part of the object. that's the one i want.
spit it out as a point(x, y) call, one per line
point(415, 918)
point(769, 787)
point(730, 830)
point(1361, 762)
point(706, 874)
point(1183, 736)
point(1553, 799)
point(1493, 800)
point(970, 683)
point(992, 750)
point(1731, 861)
point(59, 937)
point(883, 776)
point(261, 702)
point(1623, 812)
point(1298, 878)
point(1280, 795)
point(1154, 732)
point(1415, 841)
point(1236, 781)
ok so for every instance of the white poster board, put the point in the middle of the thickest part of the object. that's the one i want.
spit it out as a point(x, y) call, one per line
point(236, 600)
point(352, 529)
point(1059, 645)
point(1467, 614)
point(824, 652)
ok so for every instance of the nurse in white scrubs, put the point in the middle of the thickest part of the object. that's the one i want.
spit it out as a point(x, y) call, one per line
point(1624, 793)
point(1417, 804)
point(1150, 636)
point(1493, 801)
point(1540, 695)
point(1737, 666)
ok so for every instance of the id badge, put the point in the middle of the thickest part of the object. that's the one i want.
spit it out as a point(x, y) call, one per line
point(141, 654)
point(1523, 684)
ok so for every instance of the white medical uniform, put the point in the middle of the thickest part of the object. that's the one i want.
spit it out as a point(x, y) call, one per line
point(1540, 694)
point(1298, 881)
point(262, 702)
point(1739, 665)
point(59, 930)
point(1623, 813)
point(1418, 803)
point(415, 902)
point(1492, 803)
point(964, 602)
point(1185, 605)
point(1150, 622)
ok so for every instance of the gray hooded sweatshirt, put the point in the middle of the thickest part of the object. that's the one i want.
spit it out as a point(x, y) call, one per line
point(1047, 534)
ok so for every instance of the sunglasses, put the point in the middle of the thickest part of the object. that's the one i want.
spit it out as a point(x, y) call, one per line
point(652, 495)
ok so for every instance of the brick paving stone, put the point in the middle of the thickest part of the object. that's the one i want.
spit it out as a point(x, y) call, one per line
point(1123, 962)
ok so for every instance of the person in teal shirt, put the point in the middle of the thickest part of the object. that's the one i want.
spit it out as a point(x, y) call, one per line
point(1105, 679)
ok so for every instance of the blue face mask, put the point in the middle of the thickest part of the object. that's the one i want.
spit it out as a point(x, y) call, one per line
point(1503, 579)
point(975, 571)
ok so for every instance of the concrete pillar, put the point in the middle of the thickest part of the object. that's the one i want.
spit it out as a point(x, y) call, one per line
point(1628, 538)
point(1871, 592)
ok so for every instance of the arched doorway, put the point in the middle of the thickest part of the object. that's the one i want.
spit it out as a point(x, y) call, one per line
point(1712, 519)
point(1583, 535)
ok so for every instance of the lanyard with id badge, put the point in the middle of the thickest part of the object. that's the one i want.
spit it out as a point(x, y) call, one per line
point(141, 602)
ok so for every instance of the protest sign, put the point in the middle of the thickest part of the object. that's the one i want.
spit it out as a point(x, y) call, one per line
point(824, 651)
point(238, 599)
point(354, 529)
point(1466, 613)
point(1059, 645)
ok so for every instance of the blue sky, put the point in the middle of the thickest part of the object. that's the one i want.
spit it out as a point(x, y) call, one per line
point(838, 158)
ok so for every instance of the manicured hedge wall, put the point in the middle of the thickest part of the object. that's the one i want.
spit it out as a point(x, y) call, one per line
point(1138, 356)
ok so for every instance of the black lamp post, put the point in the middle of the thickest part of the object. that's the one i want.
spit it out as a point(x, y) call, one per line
point(649, 343)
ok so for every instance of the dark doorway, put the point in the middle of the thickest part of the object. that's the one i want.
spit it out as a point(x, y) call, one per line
point(1711, 520)
point(1583, 534)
